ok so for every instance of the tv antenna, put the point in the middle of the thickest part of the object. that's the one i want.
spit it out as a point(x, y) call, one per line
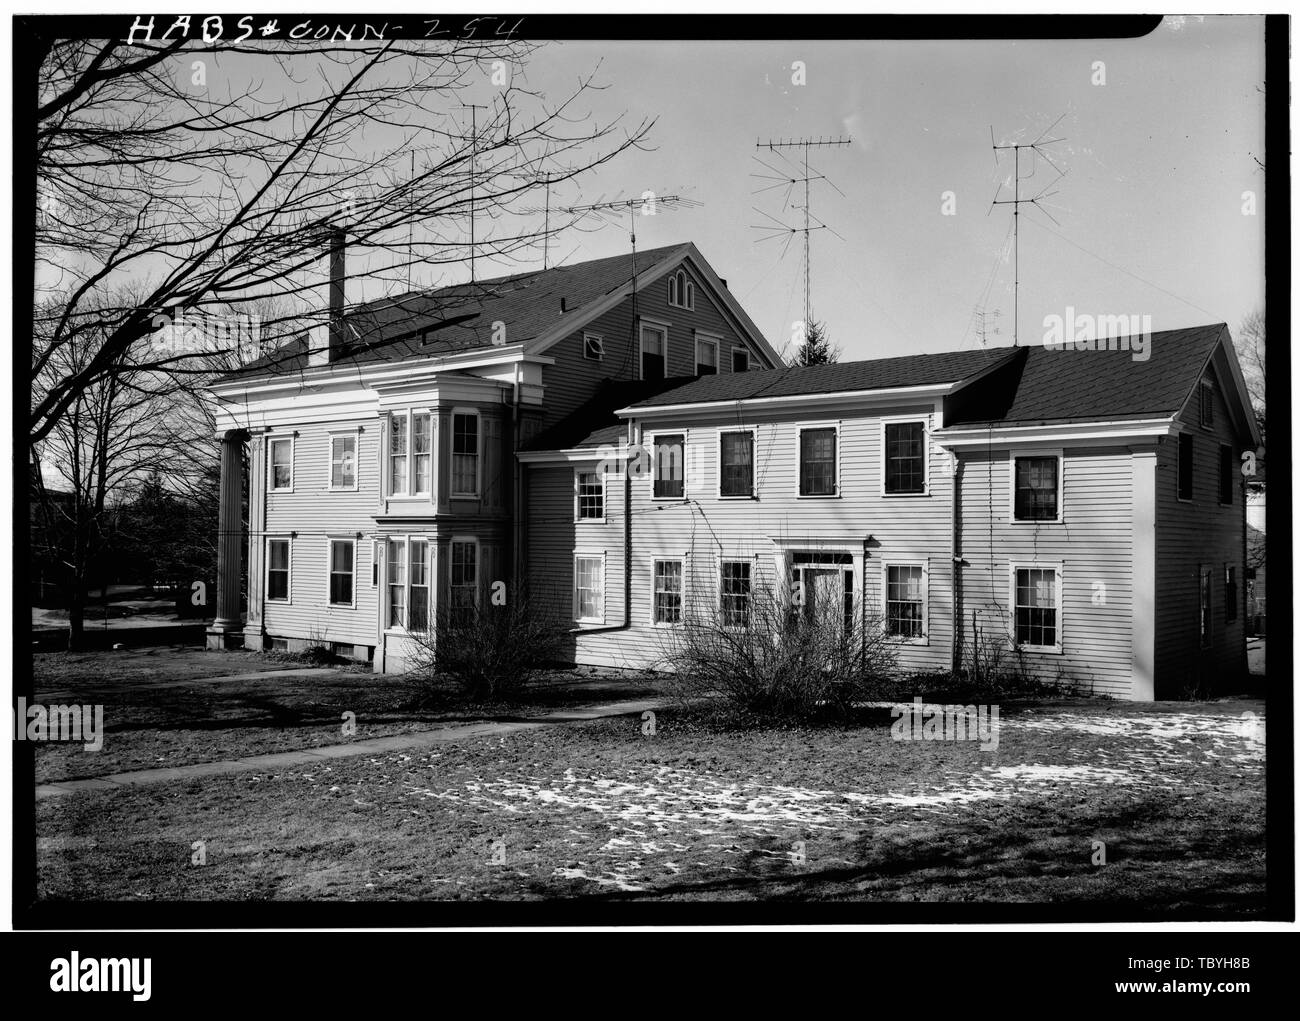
point(984, 318)
point(1036, 146)
point(473, 161)
point(783, 179)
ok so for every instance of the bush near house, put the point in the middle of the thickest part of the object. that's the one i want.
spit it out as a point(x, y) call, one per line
point(774, 661)
point(487, 652)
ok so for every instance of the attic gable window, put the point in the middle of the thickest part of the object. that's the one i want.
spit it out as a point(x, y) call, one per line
point(593, 347)
point(681, 291)
point(1207, 404)
point(706, 356)
point(739, 359)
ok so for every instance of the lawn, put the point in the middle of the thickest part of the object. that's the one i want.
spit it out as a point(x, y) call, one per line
point(601, 810)
point(160, 711)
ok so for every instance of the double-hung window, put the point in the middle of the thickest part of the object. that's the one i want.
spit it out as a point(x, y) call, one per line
point(736, 463)
point(734, 592)
point(905, 598)
point(280, 459)
point(668, 461)
point(1037, 608)
point(904, 468)
point(343, 461)
point(419, 574)
point(667, 591)
point(706, 356)
point(1037, 482)
point(464, 575)
point(818, 461)
point(654, 351)
point(589, 589)
point(342, 553)
point(277, 570)
point(465, 454)
point(397, 583)
point(590, 495)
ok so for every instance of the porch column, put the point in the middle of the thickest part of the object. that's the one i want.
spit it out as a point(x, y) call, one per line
point(228, 624)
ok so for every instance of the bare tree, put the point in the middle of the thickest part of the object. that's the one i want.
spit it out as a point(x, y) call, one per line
point(214, 172)
point(1250, 352)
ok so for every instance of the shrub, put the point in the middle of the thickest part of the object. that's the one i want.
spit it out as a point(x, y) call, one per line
point(780, 663)
point(488, 652)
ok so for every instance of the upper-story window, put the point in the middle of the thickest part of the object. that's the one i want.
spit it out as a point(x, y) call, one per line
point(1227, 466)
point(410, 454)
point(280, 459)
point(1207, 404)
point(668, 462)
point(1186, 461)
point(590, 488)
point(904, 453)
point(343, 461)
point(739, 359)
point(706, 356)
point(464, 453)
point(818, 461)
point(593, 347)
point(1037, 491)
point(681, 291)
point(654, 351)
point(736, 463)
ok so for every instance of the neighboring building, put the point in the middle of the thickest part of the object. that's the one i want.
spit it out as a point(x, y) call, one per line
point(381, 445)
point(1084, 506)
point(1256, 549)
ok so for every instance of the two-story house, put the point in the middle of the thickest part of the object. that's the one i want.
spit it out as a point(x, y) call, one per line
point(1083, 509)
point(381, 444)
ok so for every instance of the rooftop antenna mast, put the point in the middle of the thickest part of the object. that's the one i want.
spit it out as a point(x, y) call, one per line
point(782, 178)
point(1035, 146)
point(473, 160)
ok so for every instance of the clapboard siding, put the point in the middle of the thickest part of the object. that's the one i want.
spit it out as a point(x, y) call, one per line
point(1190, 534)
point(573, 379)
point(315, 514)
point(1093, 544)
point(704, 528)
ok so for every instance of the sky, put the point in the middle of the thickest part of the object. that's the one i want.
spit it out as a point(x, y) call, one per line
point(1149, 215)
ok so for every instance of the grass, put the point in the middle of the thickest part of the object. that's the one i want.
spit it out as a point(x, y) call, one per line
point(604, 812)
point(158, 712)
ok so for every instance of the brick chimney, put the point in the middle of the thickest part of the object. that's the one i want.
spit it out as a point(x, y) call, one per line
point(328, 340)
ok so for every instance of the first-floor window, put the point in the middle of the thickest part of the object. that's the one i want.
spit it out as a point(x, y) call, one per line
point(1229, 593)
point(1207, 618)
point(397, 583)
point(589, 588)
point(1037, 607)
point(419, 584)
point(342, 563)
point(668, 592)
point(905, 600)
point(735, 593)
point(277, 569)
point(464, 575)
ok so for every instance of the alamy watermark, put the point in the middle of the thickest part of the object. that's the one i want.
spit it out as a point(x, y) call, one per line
point(1084, 332)
point(921, 722)
point(78, 724)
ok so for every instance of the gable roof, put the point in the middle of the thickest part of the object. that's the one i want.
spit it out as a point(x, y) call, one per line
point(538, 305)
point(595, 423)
point(1050, 386)
point(950, 367)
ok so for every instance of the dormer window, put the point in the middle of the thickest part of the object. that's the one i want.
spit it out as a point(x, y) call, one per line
point(681, 291)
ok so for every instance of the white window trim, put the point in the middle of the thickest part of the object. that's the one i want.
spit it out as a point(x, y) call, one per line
point(653, 446)
point(749, 358)
point(656, 324)
point(330, 540)
point(385, 601)
point(1178, 466)
point(716, 341)
point(685, 286)
point(270, 463)
point(681, 562)
point(799, 429)
point(266, 580)
point(1042, 565)
point(409, 415)
point(924, 564)
point(720, 559)
point(925, 455)
point(1057, 453)
point(600, 345)
point(478, 566)
point(753, 447)
point(578, 519)
point(589, 555)
point(342, 434)
point(453, 493)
